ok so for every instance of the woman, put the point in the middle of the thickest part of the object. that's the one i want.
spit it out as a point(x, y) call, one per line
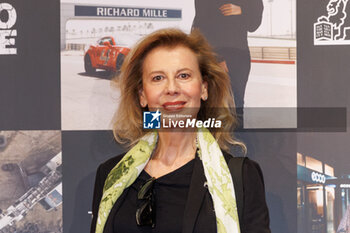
point(175, 180)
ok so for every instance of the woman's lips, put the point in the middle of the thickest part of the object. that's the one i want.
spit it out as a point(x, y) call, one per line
point(174, 105)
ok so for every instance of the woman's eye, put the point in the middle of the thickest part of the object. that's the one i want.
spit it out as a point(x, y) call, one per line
point(157, 78)
point(184, 76)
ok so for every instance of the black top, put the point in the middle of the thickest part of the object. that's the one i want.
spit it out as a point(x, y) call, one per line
point(198, 216)
point(227, 31)
point(171, 192)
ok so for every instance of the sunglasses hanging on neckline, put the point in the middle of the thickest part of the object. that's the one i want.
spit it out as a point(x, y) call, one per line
point(146, 212)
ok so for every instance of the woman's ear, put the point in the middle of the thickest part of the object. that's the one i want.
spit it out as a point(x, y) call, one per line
point(204, 95)
point(143, 99)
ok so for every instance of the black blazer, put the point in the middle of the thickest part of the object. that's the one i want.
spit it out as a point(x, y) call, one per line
point(255, 213)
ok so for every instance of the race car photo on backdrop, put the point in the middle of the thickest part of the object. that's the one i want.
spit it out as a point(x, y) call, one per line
point(104, 55)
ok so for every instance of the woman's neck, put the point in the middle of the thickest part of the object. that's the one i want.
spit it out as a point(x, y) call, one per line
point(173, 146)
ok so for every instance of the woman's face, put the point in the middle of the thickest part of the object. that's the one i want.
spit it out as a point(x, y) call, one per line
point(172, 81)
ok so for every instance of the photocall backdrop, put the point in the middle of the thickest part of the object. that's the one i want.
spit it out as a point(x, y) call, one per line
point(55, 118)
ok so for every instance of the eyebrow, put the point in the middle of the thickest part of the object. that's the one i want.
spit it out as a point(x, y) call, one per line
point(162, 72)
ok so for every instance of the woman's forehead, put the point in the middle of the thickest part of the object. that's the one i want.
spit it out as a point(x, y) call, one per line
point(167, 57)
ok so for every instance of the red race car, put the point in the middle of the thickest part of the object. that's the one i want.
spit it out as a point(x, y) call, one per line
point(105, 55)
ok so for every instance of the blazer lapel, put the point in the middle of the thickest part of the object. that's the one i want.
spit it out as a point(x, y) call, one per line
point(109, 223)
point(195, 197)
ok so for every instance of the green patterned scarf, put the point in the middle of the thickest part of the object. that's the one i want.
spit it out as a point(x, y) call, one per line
point(216, 171)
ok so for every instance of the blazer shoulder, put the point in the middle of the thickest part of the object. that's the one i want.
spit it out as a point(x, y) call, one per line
point(250, 169)
point(105, 167)
point(248, 163)
point(227, 156)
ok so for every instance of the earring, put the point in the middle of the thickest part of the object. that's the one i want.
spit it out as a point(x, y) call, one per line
point(143, 105)
point(205, 98)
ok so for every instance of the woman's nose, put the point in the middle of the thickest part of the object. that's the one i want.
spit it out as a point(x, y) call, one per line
point(172, 87)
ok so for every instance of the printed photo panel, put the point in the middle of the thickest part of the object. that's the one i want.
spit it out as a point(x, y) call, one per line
point(30, 181)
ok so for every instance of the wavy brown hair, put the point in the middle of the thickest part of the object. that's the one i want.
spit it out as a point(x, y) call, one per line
point(127, 122)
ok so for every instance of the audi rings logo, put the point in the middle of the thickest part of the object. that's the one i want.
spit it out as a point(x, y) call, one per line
point(317, 177)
